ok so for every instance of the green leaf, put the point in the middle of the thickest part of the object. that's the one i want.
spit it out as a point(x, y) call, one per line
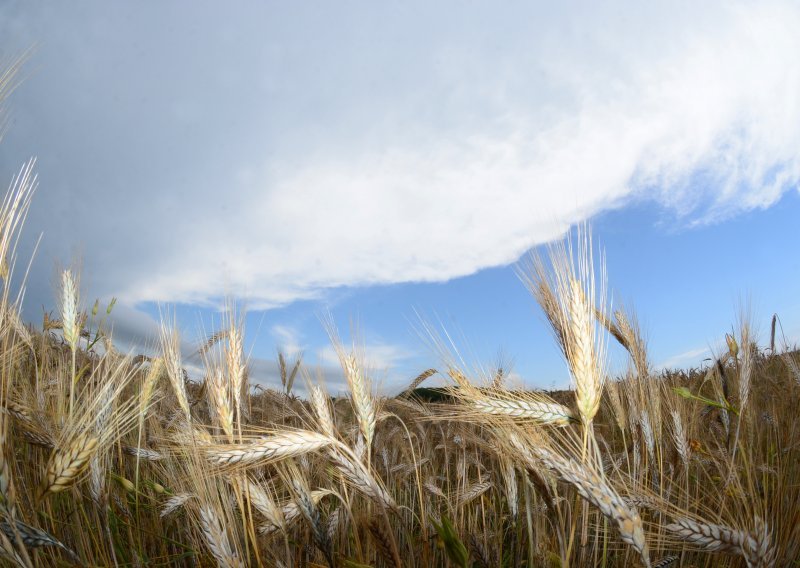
point(352, 564)
point(686, 393)
point(456, 551)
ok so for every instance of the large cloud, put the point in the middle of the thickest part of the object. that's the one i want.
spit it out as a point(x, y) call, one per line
point(274, 152)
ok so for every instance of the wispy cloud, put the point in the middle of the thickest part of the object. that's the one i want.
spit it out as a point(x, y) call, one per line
point(690, 358)
point(275, 165)
point(382, 361)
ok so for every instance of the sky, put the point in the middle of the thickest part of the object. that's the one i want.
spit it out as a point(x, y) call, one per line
point(388, 165)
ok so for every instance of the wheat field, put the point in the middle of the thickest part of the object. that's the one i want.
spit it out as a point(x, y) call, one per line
point(113, 459)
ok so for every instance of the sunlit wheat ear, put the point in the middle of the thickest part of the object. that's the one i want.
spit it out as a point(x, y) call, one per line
point(710, 537)
point(619, 412)
point(357, 475)
point(647, 434)
point(149, 385)
point(69, 308)
point(758, 550)
point(322, 409)
point(678, 435)
point(540, 284)
point(754, 546)
point(421, 378)
point(433, 488)
point(582, 356)
point(746, 366)
point(261, 500)
point(234, 359)
point(67, 464)
point(510, 481)
point(98, 462)
point(145, 454)
point(364, 405)
point(269, 449)
point(218, 392)
point(170, 345)
point(217, 539)
point(539, 411)
point(594, 489)
point(174, 503)
point(290, 513)
point(334, 522)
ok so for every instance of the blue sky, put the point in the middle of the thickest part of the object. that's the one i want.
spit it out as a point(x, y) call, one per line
point(384, 161)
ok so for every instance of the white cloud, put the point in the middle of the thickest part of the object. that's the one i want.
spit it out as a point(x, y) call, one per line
point(287, 339)
point(285, 154)
point(378, 357)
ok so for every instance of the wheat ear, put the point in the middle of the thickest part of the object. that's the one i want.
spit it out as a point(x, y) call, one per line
point(594, 489)
point(32, 537)
point(65, 466)
point(172, 362)
point(217, 539)
point(319, 401)
point(539, 411)
point(360, 390)
point(269, 449)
